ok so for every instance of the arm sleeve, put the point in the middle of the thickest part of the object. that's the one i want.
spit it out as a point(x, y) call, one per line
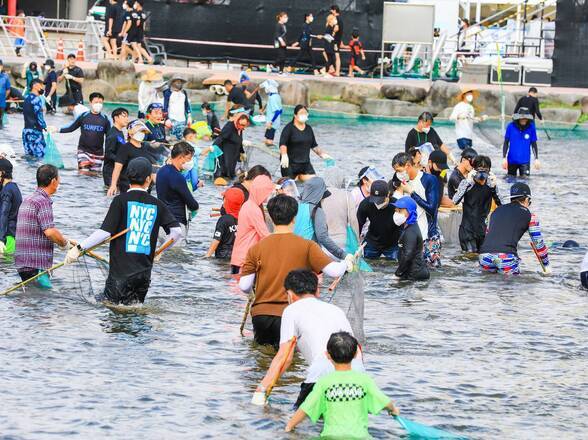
point(505, 147)
point(335, 269)
point(73, 126)
point(518, 106)
point(187, 107)
point(408, 142)
point(317, 259)
point(246, 282)
point(538, 109)
point(409, 244)
point(537, 238)
point(259, 100)
point(5, 206)
point(39, 112)
point(462, 189)
point(322, 235)
point(432, 203)
point(98, 236)
point(535, 149)
point(166, 95)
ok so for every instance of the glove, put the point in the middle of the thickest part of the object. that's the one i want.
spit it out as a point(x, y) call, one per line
point(247, 144)
point(471, 176)
point(72, 255)
point(325, 156)
point(2, 247)
point(242, 157)
point(258, 398)
point(492, 180)
point(285, 161)
point(68, 76)
point(350, 261)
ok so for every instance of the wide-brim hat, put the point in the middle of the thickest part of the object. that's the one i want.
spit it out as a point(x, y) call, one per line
point(523, 113)
point(177, 77)
point(465, 90)
point(152, 75)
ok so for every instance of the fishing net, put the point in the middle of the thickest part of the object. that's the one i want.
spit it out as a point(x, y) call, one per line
point(87, 276)
point(349, 296)
point(52, 154)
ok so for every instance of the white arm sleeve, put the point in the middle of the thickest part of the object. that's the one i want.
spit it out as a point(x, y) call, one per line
point(246, 282)
point(175, 234)
point(98, 236)
point(335, 269)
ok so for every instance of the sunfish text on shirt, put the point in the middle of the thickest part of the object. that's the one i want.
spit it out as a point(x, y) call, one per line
point(140, 219)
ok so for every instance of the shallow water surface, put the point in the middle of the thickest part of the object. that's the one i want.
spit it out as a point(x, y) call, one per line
point(476, 354)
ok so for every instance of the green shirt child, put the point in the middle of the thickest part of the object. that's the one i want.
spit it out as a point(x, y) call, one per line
point(343, 398)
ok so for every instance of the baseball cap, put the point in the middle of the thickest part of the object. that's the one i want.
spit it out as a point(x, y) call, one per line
point(378, 192)
point(5, 165)
point(520, 189)
point(139, 169)
point(154, 106)
point(405, 203)
point(439, 158)
point(49, 62)
point(138, 125)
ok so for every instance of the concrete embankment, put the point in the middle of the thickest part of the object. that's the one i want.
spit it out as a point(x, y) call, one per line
point(401, 98)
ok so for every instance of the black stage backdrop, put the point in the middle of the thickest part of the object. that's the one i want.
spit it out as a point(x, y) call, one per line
point(253, 21)
point(570, 57)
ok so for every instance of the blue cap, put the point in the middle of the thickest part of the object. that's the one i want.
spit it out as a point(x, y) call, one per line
point(154, 106)
point(405, 203)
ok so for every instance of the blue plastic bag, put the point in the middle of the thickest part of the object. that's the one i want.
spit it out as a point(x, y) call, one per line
point(418, 430)
point(192, 177)
point(52, 154)
point(351, 247)
point(210, 161)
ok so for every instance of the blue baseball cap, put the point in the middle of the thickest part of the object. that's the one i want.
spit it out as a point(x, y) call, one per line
point(154, 106)
point(405, 203)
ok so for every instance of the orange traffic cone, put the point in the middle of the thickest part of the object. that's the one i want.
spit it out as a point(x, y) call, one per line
point(60, 56)
point(81, 55)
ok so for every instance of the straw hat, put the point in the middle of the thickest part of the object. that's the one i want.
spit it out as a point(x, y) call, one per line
point(465, 91)
point(152, 75)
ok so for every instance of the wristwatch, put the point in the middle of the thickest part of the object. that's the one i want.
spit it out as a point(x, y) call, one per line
point(79, 247)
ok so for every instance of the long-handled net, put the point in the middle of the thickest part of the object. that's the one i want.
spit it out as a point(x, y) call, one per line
point(88, 276)
point(349, 296)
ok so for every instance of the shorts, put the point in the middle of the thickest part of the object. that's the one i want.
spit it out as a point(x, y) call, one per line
point(354, 61)
point(270, 133)
point(523, 169)
point(500, 263)
point(177, 129)
point(296, 169)
point(90, 162)
point(464, 143)
point(432, 251)
point(584, 279)
point(33, 142)
point(266, 330)
point(131, 290)
point(305, 390)
point(370, 252)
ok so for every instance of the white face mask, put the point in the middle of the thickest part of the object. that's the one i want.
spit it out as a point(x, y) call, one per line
point(187, 166)
point(303, 118)
point(204, 113)
point(399, 219)
point(139, 137)
point(469, 98)
point(426, 130)
point(97, 107)
point(403, 176)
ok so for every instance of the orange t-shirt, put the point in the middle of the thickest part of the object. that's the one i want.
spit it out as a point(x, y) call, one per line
point(271, 260)
point(18, 26)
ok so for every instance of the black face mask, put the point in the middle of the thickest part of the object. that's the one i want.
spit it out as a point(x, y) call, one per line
point(434, 172)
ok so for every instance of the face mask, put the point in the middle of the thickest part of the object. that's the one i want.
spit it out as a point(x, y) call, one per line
point(41, 91)
point(139, 137)
point(403, 176)
point(187, 166)
point(399, 219)
point(97, 107)
point(469, 98)
point(204, 113)
point(383, 205)
point(303, 118)
point(426, 130)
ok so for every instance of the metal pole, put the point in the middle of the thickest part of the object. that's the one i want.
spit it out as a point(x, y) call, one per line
point(524, 28)
point(518, 26)
point(382, 63)
point(478, 11)
point(57, 14)
point(542, 39)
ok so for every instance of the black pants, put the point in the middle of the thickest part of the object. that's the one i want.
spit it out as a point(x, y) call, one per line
point(266, 330)
point(1, 117)
point(107, 170)
point(235, 269)
point(228, 162)
point(296, 169)
point(131, 290)
point(305, 390)
point(584, 279)
point(524, 169)
point(331, 59)
point(305, 52)
point(281, 58)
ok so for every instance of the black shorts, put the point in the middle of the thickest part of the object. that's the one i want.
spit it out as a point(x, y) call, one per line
point(296, 169)
point(524, 169)
point(266, 330)
point(270, 133)
point(131, 290)
point(305, 390)
point(27, 274)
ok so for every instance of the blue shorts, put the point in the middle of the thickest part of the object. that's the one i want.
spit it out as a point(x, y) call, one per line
point(464, 143)
point(33, 142)
point(373, 253)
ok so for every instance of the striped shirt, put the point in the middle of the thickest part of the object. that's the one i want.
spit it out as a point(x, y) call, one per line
point(33, 249)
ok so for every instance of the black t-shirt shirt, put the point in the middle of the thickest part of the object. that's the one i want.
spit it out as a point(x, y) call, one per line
point(382, 231)
point(133, 253)
point(237, 96)
point(225, 231)
point(93, 128)
point(125, 154)
point(50, 79)
point(508, 223)
point(73, 86)
point(454, 181)
point(114, 140)
point(416, 139)
point(298, 142)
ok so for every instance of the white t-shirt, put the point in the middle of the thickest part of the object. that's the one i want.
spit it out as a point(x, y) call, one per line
point(177, 108)
point(313, 322)
point(422, 221)
point(463, 115)
point(584, 267)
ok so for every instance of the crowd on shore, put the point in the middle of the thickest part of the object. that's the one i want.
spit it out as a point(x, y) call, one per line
point(278, 234)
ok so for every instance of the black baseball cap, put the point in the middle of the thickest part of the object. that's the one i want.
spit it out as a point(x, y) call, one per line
point(49, 62)
point(139, 169)
point(378, 192)
point(519, 190)
point(439, 158)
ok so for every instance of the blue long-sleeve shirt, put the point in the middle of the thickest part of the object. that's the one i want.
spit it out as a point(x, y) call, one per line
point(10, 201)
point(172, 190)
point(431, 203)
point(32, 111)
point(4, 88)
point(93, 129)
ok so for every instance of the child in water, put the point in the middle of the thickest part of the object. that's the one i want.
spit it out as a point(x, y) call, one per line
point(343, 398)
point(226, 226)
